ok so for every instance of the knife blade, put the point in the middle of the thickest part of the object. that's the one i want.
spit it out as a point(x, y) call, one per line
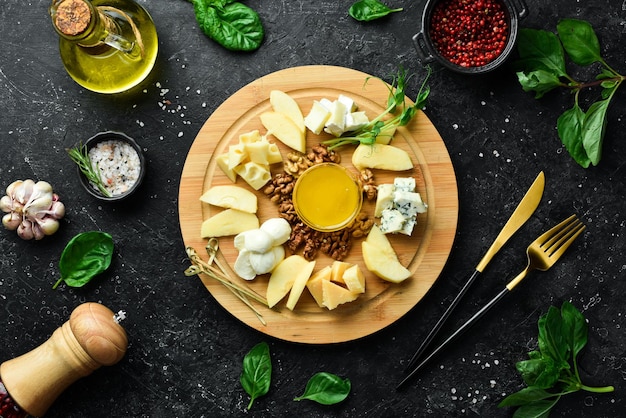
point(520, 215)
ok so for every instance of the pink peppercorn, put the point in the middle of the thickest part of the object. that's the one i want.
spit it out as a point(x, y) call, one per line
point(469, 33)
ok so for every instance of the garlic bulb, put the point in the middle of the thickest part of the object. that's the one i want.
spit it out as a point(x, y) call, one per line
point(32, 209)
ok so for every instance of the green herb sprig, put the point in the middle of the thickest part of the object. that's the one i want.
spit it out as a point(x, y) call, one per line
point(552, 371)
point(231, 24)
point(401, 113)
point(368, 10)
point(80, 155)
point(542, 69)
point(84, 257)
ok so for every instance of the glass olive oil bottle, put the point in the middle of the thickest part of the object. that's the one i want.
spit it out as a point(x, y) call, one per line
point(107, 46)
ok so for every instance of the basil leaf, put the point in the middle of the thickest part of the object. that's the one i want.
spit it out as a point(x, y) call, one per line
point(84, 257)
point(540, 50)
point(575, 328)
point(551, 340)
point(593, 130)
point(233, 25)
point(539, 372)
point(537, 409)
point(326, 389)
point(580, 41)
point(524, 396)
point(569, 127)
point(257, 372)
point(539, 81)
point(368, 10)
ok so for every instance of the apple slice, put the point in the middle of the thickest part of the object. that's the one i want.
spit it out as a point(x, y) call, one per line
point(231, 197)
point(299, 284)
point(286, 273)
point(381, 259)
point(381, 156)
point(283, 103)
point(283, 128)
point(228, 222)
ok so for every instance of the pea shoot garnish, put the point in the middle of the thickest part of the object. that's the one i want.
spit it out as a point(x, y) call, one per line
point(398, 112)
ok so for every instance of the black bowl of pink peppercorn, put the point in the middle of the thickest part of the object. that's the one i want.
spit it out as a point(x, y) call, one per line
point(469, 36)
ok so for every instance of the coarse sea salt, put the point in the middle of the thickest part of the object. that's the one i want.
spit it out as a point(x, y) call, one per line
point(118, 164)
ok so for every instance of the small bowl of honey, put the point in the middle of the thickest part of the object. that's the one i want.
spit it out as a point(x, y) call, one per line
point(327, 197)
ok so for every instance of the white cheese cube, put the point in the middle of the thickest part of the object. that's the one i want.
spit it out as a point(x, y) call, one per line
point(328, 104)
point(406, 184)
point(356, 120)
point(391, 221)
point(408, 203)
point(384, 198)
point(336, 123)
point(317, 117)
point(348, 102)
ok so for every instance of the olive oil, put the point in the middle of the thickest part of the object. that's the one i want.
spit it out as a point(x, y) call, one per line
point(327, 197)
point(114, 50)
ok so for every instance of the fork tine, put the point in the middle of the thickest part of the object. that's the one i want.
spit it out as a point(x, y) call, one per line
point(551, 240)
point(567, 240)
point(559, 234)
point(546, 236)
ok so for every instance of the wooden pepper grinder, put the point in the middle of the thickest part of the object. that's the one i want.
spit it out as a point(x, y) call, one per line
point(91, 338)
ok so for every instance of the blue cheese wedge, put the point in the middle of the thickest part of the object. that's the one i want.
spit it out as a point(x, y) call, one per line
point(398, 205)
point(408, 203)
point(391, 221)
point(405, 184)
point(409, 224)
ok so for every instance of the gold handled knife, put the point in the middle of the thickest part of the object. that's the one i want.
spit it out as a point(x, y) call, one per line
point(521, 214)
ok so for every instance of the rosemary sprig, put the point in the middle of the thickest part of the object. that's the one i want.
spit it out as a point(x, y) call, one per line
point(383, 123)
point(80, 155)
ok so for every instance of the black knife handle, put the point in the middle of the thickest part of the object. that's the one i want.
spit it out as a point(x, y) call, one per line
point(433, 332)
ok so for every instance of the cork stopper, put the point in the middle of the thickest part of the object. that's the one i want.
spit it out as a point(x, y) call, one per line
point(89, 339)
point(72, 17)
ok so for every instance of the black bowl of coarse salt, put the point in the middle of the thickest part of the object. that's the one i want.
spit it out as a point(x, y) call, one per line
point(118, 162)
point(469, 36)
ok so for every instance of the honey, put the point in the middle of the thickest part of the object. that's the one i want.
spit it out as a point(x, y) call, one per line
point(327, 197)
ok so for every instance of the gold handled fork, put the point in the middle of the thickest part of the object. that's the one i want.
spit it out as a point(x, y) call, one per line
point(542, 254)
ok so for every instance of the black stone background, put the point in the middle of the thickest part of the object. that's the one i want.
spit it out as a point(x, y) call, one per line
point(185, 352)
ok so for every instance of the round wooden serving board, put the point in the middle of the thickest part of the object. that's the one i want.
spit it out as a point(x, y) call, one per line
point(424, 253)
